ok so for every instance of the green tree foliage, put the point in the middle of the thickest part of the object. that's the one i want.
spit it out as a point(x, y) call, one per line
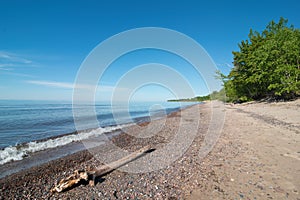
point(267, 65)
point(219, 95)
point(198, 98)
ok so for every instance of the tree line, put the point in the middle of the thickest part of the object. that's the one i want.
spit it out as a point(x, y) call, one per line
point(215, 95)
point(267, 65)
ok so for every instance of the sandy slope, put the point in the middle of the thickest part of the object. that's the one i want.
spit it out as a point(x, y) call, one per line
point(258, 154)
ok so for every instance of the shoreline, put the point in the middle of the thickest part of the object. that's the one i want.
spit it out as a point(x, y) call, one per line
point(49, 154)
point(39, 179)
point(256, 156)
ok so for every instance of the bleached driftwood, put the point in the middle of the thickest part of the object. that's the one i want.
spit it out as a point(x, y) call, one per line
point(81, 176)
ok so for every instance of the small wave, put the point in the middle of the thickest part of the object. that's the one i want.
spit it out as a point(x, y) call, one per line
point(14, 153)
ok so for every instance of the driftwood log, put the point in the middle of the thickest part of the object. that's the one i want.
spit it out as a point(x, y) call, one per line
point(89, 176)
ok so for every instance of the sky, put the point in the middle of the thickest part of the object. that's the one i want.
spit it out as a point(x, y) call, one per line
point(43, 44)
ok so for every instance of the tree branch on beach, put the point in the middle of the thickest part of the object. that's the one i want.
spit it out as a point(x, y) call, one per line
point(89, 176)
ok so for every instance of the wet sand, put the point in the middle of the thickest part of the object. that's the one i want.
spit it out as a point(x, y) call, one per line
point(257, 156)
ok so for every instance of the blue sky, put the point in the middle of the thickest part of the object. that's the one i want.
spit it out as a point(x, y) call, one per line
point(43, 43)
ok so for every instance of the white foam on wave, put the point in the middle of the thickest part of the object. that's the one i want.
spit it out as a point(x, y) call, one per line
point(14, 153)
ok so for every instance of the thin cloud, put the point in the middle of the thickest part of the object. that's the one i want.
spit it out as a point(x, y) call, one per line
point(10, 61)
point(52, 84)
point(8, 72)
point(10, 57)
point(6, 67)
point(66, 85)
